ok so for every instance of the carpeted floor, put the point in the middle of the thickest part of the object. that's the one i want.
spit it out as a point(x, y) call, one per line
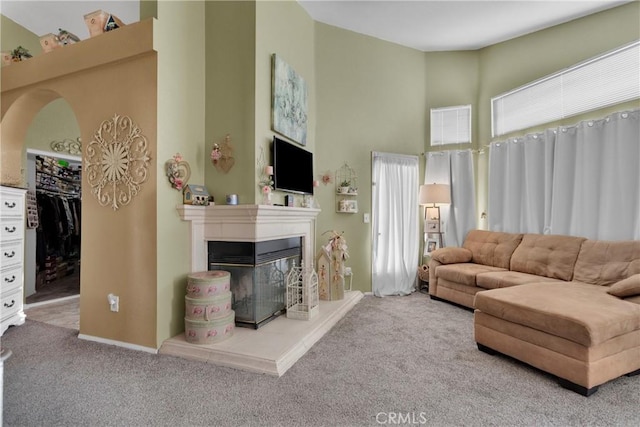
point(390, 361)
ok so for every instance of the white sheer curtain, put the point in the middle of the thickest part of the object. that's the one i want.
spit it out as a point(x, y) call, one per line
point(395, 223)
point(596, 185)
point(456, 169)
point(581, 180)
point(520, 176)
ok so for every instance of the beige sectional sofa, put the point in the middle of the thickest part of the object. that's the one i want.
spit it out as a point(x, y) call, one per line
point(566, 305)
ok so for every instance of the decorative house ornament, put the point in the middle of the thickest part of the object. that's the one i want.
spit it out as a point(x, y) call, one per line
point(51, 41)
point(288, 101)
point(68, 146)
point(6, 58)
point(48, 42)
point(65, 37)
point(196, 195)
point(330, 265)
point(302, 293)
point(99, 22)
point(117, 161)
point(222, 155)
point(178, 171)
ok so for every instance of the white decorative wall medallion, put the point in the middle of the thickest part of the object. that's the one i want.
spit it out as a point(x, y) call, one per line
point(116, 161)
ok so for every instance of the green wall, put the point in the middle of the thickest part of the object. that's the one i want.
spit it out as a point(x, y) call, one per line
point(453, 78)
point(55, 122)
point(230, 44)
point(513, 63)
point(365, 95)
point(14, 35)
point(241, 36)
point(474, 77)
point(283, 28)
point(179, 38)
point(371, 96)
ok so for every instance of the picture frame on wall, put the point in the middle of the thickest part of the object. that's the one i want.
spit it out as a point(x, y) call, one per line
point(432, 245)
point(433, 226)
point(289, 103)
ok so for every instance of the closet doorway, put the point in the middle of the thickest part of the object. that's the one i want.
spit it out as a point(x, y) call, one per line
point(52, 267)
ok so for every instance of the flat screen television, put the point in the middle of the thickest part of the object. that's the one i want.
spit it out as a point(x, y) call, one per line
point(292, 168)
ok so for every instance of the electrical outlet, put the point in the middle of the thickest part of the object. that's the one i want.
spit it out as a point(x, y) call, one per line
point(114, 302)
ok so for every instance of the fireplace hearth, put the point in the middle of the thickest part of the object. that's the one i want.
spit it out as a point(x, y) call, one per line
point(258, 275)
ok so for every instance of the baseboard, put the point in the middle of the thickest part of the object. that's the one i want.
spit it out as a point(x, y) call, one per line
point(118, 343)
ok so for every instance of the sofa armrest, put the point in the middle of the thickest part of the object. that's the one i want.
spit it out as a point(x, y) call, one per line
point(433, 280)
point(452, 255)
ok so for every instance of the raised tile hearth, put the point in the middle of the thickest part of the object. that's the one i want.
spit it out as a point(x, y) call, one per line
point(276, 346)
point(273, 348)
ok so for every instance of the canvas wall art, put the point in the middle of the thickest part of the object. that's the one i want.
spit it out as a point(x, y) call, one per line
point(289, 101)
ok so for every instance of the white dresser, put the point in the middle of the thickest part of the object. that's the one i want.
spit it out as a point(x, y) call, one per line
point(12, 232)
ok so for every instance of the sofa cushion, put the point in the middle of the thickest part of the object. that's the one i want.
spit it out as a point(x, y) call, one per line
point(491, 247)
point(452, 255)
point(464, 273)
point(584, 314)
point(602, 262)
point(628, 287)
point(547, 255)
point(504, 279)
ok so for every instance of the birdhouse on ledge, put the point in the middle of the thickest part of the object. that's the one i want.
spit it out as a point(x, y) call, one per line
point(196, 195)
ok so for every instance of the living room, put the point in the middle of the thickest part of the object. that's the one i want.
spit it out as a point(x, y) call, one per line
point(376, 100)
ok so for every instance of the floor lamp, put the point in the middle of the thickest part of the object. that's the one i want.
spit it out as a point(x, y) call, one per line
point(431, 197)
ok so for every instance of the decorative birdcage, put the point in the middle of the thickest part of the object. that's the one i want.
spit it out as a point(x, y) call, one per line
point(302, 293)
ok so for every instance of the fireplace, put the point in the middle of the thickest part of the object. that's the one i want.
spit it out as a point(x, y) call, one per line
point(258, 275)
point(254, 228)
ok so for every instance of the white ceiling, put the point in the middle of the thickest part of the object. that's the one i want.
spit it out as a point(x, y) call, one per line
point(430, 25)
point(426, 25)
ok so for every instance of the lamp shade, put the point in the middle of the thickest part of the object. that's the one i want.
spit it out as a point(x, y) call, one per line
point(436, 194)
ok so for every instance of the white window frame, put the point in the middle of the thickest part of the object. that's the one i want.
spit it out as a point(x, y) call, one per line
point(451, 125)
point(605, 80)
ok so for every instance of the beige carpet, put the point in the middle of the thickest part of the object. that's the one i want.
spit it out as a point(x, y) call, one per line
point(389, 361)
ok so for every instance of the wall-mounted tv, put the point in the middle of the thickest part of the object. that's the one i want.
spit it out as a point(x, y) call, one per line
point(292, 168)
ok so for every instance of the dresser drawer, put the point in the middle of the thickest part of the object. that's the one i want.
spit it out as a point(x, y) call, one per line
point(11, 229)
point(11, 204)
point(11, 279)
point(11, 254)
point(11, 304)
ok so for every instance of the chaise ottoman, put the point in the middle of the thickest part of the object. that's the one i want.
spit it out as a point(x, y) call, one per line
point(575, 331)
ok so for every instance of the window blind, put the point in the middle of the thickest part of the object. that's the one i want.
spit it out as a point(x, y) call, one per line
point(607, 79)
point(451, 125)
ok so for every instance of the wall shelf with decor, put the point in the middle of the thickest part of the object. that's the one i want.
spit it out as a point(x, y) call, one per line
point(346, 190)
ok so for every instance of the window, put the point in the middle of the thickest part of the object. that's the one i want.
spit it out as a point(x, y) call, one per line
point(605, 80)
point(451, 125)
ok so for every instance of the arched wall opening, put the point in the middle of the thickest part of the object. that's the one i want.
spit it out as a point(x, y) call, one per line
point(111, 75)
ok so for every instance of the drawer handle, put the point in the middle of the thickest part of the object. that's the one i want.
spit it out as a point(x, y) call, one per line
point(10, 205)
point(10, 280)
point(13, 302)
point(10, 230)
point(10, 255)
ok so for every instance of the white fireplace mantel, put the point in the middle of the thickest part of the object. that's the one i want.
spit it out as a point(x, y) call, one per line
point(248, 223)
